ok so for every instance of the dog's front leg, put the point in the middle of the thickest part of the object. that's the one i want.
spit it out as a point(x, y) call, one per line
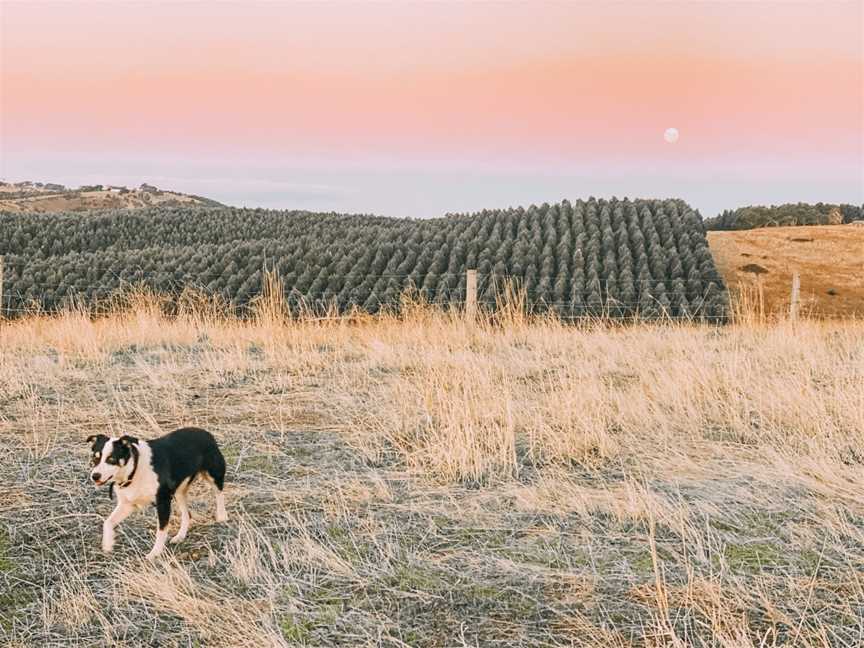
point(163, 514)
point(120, 512)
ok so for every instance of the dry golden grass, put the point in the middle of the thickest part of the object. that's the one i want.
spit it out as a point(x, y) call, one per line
point(421, 481)
point(827, 257)
point(92, 200)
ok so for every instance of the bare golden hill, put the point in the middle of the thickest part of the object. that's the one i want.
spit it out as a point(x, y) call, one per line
point(38, 197)
point(829, 259)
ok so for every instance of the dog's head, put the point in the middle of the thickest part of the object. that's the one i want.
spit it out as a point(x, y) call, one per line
point(109, 457)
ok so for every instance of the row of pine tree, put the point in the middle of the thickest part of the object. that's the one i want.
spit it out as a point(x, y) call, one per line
point(595, 257)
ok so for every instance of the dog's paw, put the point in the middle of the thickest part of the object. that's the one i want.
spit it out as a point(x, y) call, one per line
point(180, 537)
point(221, 516)
point(107, 543)
point(153, 555)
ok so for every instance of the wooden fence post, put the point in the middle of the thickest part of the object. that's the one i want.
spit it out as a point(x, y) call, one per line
point(760, 297)
point(796, 297)
point(470, 295)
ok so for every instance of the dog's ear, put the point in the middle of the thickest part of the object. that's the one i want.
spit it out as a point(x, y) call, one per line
point(127, 440)
point(95, 437)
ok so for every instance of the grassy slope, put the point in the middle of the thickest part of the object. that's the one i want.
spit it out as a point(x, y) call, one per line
point(92, 200)
point(828, 257)
point(424, 483)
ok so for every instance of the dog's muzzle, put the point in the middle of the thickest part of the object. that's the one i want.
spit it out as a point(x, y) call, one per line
point(98, 479)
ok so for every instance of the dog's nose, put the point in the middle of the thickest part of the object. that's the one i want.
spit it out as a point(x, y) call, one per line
point(96, 477)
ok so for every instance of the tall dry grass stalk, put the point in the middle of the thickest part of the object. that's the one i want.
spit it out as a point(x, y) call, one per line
point(270, 307)
point(747, 303)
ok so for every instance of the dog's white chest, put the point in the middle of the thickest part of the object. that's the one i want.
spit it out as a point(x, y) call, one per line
point(137, 495)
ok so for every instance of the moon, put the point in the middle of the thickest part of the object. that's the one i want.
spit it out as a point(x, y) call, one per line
point(671, 135)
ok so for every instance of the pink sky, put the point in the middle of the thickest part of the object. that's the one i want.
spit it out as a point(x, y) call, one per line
point(763, 93)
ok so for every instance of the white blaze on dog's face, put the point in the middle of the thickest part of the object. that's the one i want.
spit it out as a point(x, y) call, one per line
point(109, 458)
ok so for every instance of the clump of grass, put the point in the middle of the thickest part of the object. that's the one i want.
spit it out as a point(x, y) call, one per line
point(5, 562)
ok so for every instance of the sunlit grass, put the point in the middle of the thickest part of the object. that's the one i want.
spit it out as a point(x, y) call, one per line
point(415, 479)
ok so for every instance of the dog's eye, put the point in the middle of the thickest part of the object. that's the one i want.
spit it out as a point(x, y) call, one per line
point(111, 460)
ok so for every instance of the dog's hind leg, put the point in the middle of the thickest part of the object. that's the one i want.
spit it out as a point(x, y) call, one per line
point(120, 513)
point(163, 513)
point(215, 474)
point(183, 506)
point(221, 513)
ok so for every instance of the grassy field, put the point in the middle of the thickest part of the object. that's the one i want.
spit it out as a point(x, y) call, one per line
point(422, 482)
point(829, 259)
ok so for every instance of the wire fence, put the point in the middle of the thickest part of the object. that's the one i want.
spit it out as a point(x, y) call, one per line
point(133, 272)
point(186, 278)
point(346, 294)
point(568, 297)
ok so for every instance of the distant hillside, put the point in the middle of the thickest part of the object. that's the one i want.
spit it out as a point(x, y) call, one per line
point(38, 197)
point(755, 216)
point(829, 260)
point(619, 258)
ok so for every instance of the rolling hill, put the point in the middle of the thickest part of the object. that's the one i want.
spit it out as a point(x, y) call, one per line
point(37, 197)
point(828, 258)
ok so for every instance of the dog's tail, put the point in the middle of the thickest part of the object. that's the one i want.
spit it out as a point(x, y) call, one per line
point(214, 464)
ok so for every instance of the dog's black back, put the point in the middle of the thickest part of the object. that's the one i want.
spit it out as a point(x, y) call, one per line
point(185, 453)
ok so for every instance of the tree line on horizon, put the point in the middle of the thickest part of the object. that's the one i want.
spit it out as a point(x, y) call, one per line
point(790, 214)
point(616, 258)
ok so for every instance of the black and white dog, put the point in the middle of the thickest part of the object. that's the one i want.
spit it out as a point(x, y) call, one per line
point(155, 472)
